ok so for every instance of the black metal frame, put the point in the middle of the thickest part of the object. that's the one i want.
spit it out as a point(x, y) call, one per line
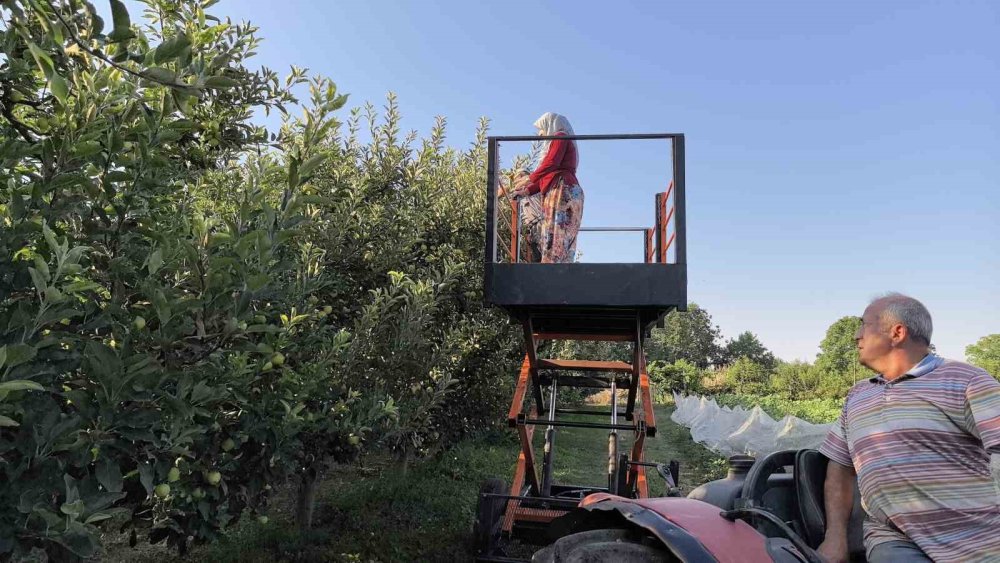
point(656, 287)
point(677, 153)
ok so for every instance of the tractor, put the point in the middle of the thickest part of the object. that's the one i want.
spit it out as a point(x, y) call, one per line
point(766, 510)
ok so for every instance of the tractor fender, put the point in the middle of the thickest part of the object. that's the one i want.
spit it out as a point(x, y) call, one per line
point(693, 530)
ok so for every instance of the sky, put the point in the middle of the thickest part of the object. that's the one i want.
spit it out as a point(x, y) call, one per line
point(835, 150)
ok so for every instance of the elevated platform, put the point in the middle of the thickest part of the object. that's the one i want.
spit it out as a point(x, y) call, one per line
point(588, 299)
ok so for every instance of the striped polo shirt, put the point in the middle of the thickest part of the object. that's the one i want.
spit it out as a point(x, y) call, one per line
point(921, 447)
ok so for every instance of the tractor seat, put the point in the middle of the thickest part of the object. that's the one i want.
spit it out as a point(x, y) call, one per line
point(810, 476)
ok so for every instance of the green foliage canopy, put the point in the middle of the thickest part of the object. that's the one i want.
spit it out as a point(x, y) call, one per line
point(985, 353)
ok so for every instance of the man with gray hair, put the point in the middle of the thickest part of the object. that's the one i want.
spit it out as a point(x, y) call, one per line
point(919, 438)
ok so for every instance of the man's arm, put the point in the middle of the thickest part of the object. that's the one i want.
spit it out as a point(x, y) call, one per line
point(838, 488)
point(838, 496)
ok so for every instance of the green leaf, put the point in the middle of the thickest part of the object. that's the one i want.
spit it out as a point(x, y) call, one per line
point(38, 279)
point(162, 307)
point(72, 491)
point(7, 422)
point(118, 176)
point(105, 514)
point(146, 477)
point(121, 22)
point(221, 82)
point(103, 360)
point(73, 509)
point(78, 538)
point(50, 238)
point(160, 74)
point(81, 287)
point(171, 48)
point(42, 59)
point(97, 22)
point(86, 148)
point(155, 261)
point(18, 354)
point(310, 164)
point(109, 475)
point(59, 87)
point(20, 385)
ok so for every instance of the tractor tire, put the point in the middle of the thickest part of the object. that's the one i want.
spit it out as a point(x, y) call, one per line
point(489, 517)
point(611, 545)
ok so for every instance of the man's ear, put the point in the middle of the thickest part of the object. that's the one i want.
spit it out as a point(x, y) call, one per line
point(898, 333)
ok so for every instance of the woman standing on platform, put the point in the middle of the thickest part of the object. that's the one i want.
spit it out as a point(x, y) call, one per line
point(555, 178)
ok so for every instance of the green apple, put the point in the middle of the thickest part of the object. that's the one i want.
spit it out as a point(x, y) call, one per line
point(328, 309)
point(174, 475)
point(228, 444)
point(353, 440)
point(262, 519)
point(162, 490)
point(213, 478)
point(278, 358)
point(139, 323)
point(267, 367)
point(259, 319)
point(198, 493)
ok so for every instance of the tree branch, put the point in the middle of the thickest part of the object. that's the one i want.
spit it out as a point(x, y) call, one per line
point(107, 59)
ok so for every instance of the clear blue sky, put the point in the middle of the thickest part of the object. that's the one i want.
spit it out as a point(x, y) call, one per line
point(835, 150)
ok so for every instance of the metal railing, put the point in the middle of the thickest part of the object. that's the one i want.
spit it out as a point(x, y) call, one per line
point(657, 241)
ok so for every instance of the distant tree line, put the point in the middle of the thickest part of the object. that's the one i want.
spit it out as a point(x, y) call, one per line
point(689, 354)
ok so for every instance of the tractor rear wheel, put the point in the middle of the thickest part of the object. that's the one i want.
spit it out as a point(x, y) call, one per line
point(618, 545)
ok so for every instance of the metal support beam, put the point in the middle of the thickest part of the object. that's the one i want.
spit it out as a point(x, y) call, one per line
point(613, 443)
point(550, 441)
point(525, 421)
point(532, 350)
point(638, 355)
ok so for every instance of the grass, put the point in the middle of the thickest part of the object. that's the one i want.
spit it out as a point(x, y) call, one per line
point(375, 512)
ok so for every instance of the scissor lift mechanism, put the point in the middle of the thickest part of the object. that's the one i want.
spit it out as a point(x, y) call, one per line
point(588, 302)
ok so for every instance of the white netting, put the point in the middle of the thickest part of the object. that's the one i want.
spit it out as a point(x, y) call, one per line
point(730, 431)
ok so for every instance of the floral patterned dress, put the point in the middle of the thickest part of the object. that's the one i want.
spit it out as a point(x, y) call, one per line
point(562, 212)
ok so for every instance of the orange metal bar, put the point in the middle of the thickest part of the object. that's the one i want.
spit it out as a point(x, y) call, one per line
point(520, 473)
point(663, 220)
point(662, 226)
point(647, 403)
point(528, 453)
point(670, 215)
point(669, 242)
point(642, 486)
point(519, 391)
point(538, 515)
point(637, 474)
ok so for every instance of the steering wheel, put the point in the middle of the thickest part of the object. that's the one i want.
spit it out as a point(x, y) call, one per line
point(750, 506)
